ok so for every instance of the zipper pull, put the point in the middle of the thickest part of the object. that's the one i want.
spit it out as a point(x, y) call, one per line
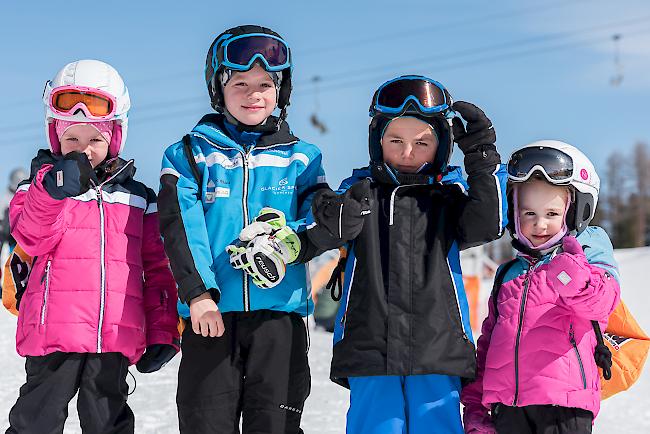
point(571, 334)
point(98, 190)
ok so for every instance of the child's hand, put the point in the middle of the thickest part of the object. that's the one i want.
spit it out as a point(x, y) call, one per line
point(479, 127)
point(343, 214)
point(260, 259)
point(569, 272)
point(265, 248)
point(70, 176)
point(155, 357)
point(270, 221)
point(205, 315)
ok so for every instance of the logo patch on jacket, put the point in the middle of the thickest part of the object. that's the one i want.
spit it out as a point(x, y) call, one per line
point(282, 187)
point(212, 192)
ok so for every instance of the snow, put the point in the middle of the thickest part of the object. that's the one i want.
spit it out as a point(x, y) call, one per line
point(153, 401)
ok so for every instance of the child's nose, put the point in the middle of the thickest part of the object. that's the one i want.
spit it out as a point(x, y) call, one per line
point(407, 151)
point(255, 93)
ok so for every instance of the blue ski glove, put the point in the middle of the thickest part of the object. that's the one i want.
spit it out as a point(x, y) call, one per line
point(155, 357)
point(70, 176)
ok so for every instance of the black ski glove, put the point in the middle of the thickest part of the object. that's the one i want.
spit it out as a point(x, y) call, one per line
point(155, 357)
point(479, 128)
point(343, 214)
point(70, 176)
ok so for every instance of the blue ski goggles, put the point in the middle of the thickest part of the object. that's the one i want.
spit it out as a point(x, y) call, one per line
point(427, 96)
point(240, 52)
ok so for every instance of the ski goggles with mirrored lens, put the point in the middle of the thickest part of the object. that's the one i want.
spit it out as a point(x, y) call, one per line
point(428, 95)
point(96, 104)
point(240, 52)
point(555, 165)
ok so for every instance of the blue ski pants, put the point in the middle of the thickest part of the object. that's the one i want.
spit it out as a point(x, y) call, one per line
point(414, 404)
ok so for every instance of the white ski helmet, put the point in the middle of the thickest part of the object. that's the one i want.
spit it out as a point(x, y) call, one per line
point(560, 164)
point(90, 81)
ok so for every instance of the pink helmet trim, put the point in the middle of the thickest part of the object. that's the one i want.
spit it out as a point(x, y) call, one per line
point(115, 147)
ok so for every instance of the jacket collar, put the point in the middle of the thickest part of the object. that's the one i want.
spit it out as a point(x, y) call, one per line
point(215, 127)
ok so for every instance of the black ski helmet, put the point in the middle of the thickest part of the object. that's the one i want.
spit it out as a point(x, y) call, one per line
point(214, 66)
point(439, 120)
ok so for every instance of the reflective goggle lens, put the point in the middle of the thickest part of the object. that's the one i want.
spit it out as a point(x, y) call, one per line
point(428, 94)
point(97, 105)
point(240, 51)
point(557, 165)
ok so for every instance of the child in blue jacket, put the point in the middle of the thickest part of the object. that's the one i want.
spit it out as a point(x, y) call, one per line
point(244, 350)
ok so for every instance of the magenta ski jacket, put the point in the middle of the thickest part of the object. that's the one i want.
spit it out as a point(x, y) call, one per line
point(100, 281)
point(540, 347)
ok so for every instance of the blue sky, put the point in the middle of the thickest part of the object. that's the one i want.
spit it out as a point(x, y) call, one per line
point(539, 69)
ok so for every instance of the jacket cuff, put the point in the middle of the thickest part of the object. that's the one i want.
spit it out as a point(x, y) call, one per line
point(187, 296)
point(158, 336)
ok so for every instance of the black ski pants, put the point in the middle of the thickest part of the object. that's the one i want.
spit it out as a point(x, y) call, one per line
point(257, 370)
point(54, 379)
point(541, 419)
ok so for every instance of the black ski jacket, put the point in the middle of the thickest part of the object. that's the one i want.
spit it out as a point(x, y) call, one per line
point(403, 307)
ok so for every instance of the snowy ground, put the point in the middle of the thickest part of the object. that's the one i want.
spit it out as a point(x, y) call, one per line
point(155, 409)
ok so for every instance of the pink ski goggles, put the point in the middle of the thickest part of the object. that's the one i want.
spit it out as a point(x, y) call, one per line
point(96, 104)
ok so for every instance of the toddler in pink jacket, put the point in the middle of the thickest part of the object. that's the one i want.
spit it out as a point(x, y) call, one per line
point(100, 293)
point(536, 371)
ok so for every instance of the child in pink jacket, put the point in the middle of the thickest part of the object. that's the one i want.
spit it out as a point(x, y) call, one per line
point(536, 371)
point(100, 290)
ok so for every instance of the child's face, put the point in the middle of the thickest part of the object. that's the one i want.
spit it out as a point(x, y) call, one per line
point(541, 210)
point(250, 96)
point(408, 143)
point(86, 139)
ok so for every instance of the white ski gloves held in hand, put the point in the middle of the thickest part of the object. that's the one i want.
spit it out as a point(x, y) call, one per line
point(265, 247)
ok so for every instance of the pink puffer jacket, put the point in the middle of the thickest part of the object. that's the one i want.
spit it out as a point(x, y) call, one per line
point(540, 348)
point(100, 280)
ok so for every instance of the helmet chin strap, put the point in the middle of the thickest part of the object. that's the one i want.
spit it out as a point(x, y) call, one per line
point(555, 239)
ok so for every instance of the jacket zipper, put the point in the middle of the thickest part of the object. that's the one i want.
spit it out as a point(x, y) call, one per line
point(102, 265)
point(245, 208)
point(575, 348)
point(46, 277)
point(522, 308)
point(102, 231)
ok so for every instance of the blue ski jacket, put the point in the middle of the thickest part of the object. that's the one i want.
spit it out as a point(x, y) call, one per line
point(213, 183)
